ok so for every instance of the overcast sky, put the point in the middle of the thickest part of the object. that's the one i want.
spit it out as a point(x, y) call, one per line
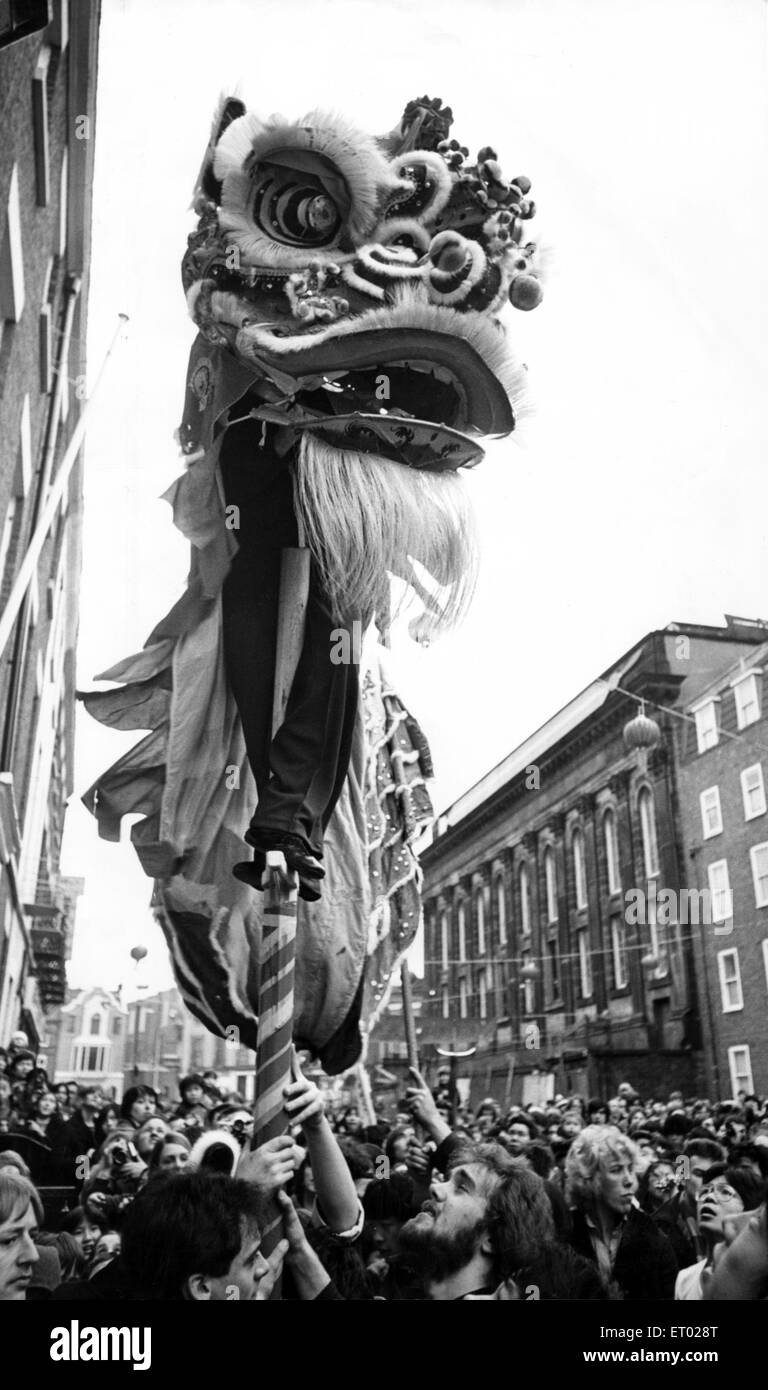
point(637, 494)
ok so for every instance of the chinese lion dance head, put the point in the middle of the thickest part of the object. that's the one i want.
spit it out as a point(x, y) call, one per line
point(361, 280)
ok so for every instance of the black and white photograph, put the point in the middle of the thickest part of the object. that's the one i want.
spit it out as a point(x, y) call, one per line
point(384, 666)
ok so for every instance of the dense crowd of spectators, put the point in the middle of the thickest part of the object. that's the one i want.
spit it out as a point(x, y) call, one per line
point(578, 1199)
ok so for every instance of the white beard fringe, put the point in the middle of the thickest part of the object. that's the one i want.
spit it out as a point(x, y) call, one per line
point(365, 517)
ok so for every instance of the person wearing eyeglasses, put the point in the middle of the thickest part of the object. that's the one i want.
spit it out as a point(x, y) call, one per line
point(725, 1192)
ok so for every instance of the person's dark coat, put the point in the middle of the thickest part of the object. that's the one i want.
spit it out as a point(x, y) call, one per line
point(645, 1266)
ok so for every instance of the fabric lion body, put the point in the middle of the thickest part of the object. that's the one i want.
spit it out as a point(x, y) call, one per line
point(349, 362)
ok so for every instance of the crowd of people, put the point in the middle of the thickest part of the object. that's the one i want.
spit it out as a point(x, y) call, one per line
point(579, 1199)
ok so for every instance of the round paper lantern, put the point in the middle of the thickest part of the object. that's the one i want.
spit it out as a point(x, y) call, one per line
point(642, 733)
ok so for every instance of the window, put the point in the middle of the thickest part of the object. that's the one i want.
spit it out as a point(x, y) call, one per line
point(462, 998)
point(550, 877)
point(711, 815)
point(753, 791)
point(528, 984)
point(765, 960)
point(612, 852)
point(579, 870)
point(482, 985)
point(648, 832)
point(117, 1026)
point(706, 725)
point(46, 343)
point(553, 968)
point(730, 981)
point(653, 931)
point(740, 1067)
point(20, 19)
point(6, 535)
point(95, 1025)
point(480, 914)
point(759, 856)
point(63, 189)
point(444, 939)
point(501, 907)
point(619, 952)
point(11, 259)
point(462, 932)
point(446, 1002)
point(747, 702)
point(59, 30)
point(24, 456)
point(40, 126)
point(720, 891)
point(585, 966)
point(525, 901)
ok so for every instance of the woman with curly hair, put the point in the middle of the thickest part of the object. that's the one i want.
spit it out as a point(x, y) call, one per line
point(608, 1226)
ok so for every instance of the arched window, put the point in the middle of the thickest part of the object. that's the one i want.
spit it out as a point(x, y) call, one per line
point(501, 909)
point(94, 1027)
point(579, 870)
point(611, 852)
point(462, 998)
point(482, 987)
point(480, 915)
point(550, 876)
point(648, 831)
point(462, 932)
point(525, 901)
point(446, 1002)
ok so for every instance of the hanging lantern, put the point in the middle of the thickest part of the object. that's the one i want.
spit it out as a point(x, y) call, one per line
point(641, 735)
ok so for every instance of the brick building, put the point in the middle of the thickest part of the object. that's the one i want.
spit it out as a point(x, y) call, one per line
point(723, 757)
point(531, 954)
point(47, 100)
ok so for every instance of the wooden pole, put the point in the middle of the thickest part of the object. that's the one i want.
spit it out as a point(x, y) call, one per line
point(408, 1020)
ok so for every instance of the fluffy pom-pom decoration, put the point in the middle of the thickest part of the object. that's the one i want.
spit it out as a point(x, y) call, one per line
point(525, 292)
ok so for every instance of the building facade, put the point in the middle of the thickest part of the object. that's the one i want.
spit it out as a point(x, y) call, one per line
point(538, 961)
point(165, 1042)
point(47, 95)
point(723, 759)
point(85, 1039)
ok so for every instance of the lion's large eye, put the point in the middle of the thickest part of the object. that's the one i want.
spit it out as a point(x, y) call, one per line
point(294, 206)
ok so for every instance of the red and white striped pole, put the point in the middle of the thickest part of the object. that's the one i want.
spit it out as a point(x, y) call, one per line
point(274, 1051)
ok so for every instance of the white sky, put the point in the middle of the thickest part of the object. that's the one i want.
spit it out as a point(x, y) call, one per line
point(637, 495)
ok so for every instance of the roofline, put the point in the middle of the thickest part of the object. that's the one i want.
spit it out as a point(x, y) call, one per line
point(581, 707)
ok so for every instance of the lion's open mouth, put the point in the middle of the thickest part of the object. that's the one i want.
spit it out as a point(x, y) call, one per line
point(407, 359)
point(408, 390)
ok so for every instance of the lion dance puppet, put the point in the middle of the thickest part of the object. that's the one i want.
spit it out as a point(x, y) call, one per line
point(349, 362)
